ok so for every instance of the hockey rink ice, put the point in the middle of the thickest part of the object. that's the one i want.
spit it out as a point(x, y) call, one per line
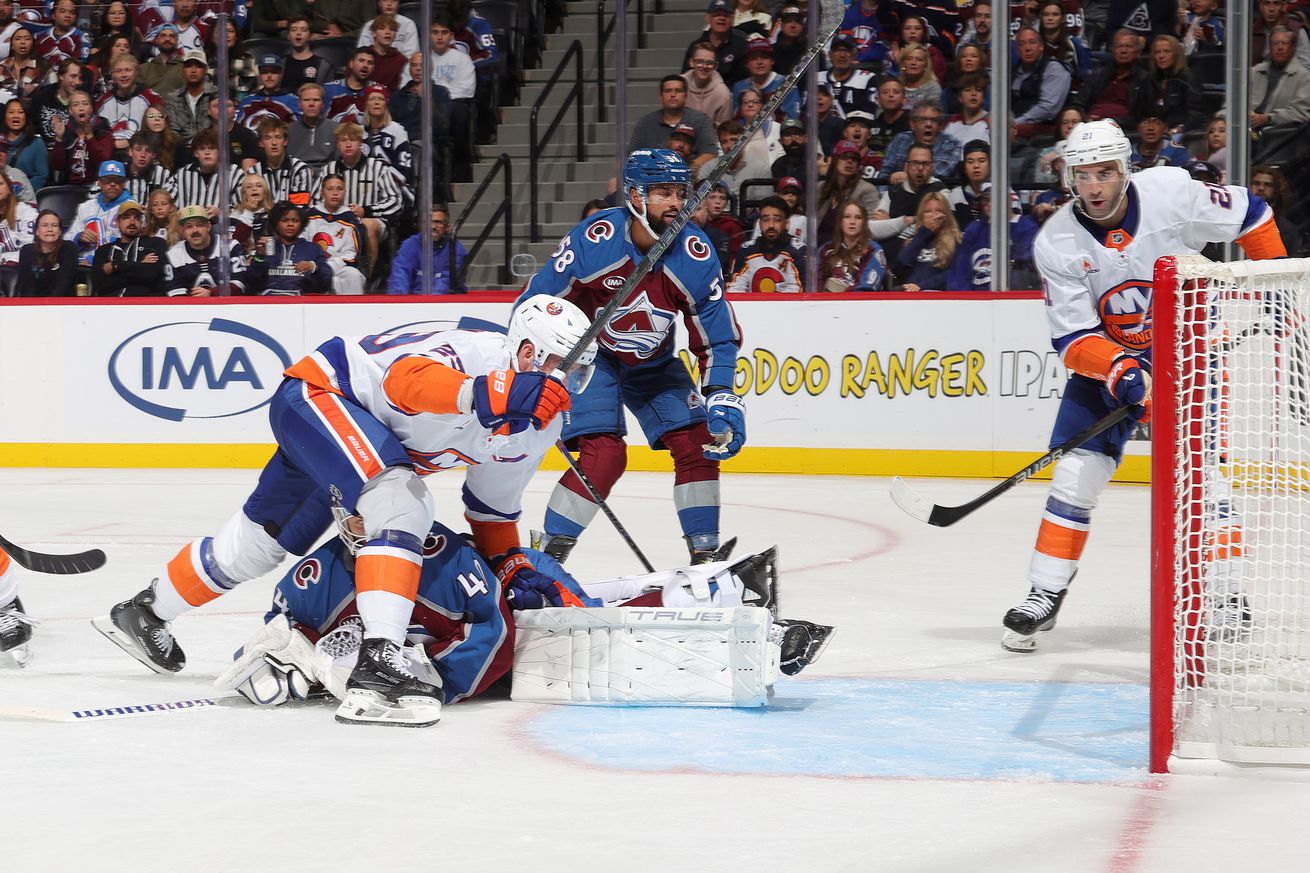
point(916, 745)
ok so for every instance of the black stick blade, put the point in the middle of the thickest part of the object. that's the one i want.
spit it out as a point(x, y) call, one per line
point(55, 565)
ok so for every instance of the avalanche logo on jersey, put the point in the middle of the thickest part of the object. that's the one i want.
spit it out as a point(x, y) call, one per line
point(600, 231)
point(697, 249)
point(433, 543)
point(1126, 314)
point(639, 329)
point(308, 573)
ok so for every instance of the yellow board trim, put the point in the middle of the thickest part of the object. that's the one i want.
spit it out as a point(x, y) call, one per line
point(753, 459)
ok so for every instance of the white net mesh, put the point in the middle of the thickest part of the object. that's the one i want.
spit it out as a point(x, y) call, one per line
point(1242, 511)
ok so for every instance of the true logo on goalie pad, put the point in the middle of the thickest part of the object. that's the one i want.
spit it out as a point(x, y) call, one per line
point(717, 616)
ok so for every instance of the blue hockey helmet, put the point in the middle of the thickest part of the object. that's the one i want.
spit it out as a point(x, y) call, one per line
point(646, 167)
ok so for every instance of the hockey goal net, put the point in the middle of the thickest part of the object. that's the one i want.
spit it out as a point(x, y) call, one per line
point(1230, 671)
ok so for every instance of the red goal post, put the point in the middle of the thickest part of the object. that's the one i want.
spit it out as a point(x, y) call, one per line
point(1230, 552)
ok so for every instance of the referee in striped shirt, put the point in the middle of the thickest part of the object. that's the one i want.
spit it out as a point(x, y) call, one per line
point(373, 191)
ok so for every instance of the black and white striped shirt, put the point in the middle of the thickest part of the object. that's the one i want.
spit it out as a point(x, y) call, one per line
point(155, 177)
point(292, 181)
point(370, 183)
point(195, 188)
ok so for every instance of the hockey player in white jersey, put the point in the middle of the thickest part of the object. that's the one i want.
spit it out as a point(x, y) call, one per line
point(357, 422)
point(1096, 257)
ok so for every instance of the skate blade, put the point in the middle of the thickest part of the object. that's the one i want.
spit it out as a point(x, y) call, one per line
point(368, 707)
point(18, 656)
point(813, 657)
point(110, 631)
point(1017, 642)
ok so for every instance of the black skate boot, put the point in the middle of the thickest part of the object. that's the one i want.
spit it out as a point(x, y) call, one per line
point(558, 546)
point(133, 626)
point(1037, 613)
point(802, 642)
point(700, 555)
point(16, 632)
point(758, 575)
point(382, 690)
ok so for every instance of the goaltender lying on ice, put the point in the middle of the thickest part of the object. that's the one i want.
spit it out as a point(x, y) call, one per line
point(704, 635)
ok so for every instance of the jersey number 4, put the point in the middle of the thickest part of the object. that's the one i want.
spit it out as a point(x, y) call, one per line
point(473, 582)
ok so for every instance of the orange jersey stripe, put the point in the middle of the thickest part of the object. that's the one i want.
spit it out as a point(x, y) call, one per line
point(494, 538)
point(1225, 544)
point(4, 562)
point(417, 384)
point(1092, 356)
point(387, 573)
point(344, 427)
point(186, 581)
point(1060, 542)
point(1263, 241)
point(308, 371)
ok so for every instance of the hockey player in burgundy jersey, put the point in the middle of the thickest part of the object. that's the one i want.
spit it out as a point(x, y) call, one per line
point(636, 366)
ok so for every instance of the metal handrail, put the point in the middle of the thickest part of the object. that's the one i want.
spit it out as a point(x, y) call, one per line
point(538, 145)
point(603, 32)
point(504, 209)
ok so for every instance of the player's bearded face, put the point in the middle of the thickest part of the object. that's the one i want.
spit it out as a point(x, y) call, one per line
point(1100, 187)
point(663, 203)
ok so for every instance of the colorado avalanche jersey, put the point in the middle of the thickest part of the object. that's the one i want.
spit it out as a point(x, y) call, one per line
point(1098, 280)
point(499, 466)
point(459, 616)
point(590, 265)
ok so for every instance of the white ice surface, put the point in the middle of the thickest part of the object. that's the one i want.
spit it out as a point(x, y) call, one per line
point(231, 788)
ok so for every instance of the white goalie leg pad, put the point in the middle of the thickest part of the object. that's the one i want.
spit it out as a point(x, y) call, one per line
point(702, 585)
point(645, 656)
point(243, 550)
point(277, 664)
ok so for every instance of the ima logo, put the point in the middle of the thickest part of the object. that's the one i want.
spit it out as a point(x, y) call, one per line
point(638, 329)
point(197, 369)
point(613, 283)
point(1126, 313)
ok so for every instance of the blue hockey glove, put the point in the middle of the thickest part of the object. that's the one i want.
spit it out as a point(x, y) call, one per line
point(528, 588)
point(507, 402)
point(1130, 385)
point(727, 425)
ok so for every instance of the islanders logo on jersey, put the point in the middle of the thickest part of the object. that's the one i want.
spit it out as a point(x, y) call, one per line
point(638, 329)
point(1126, 313)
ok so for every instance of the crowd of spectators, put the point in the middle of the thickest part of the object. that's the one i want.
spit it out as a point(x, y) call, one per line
point(111, 133)
point(903, 121)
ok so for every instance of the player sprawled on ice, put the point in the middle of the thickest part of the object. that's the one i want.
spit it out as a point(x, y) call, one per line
point(1096, 257)
point(460, 636)
point(15, 623)
point(356, 423)
point(636, 366)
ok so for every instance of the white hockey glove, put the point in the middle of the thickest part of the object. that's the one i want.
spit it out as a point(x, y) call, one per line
point(727, 425)
point(275, 666)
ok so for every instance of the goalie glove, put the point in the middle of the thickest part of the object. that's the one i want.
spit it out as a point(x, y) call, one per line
point(528, 588)
point(274, 667)
point(727, 424)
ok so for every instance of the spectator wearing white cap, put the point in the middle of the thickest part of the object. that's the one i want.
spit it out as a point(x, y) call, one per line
point(186, 108)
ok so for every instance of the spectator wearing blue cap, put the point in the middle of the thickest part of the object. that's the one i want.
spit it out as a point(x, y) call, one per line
point(163, 72)
point(271, 100)
point(97, 219)
point(728, 44)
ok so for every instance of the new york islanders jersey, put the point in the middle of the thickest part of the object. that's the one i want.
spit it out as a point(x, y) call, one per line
point(459, 616)
point(1098, 280)
point(499, 466)
point(590, 265)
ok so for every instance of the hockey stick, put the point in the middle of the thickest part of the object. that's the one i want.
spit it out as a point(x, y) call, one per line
point(945, 516)
point(58, 565)
point(832, 16)
point(106, 713)
point(604, 507)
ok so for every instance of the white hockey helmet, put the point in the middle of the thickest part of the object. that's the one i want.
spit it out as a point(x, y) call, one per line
point(553, 326)
point(1093, 142)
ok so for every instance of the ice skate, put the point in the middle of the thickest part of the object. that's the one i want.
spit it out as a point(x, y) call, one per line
point(758, 575)
point(1037, 613)
point(382, 690)
point(802, 643)
point(133, 626)
point(16, 632)
point(558, 546)
point(705, 555)
point(1230, 618)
